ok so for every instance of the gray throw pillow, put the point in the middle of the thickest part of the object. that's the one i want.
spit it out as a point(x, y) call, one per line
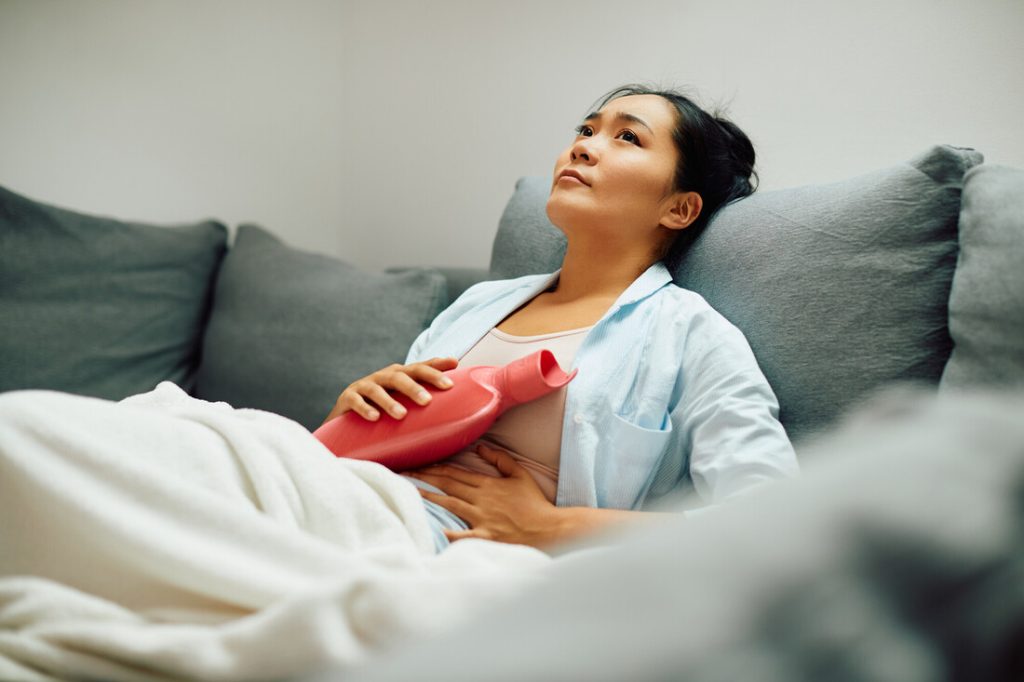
point(290, 329)
point(97, 306)
point(986, 304)
point(840, 288)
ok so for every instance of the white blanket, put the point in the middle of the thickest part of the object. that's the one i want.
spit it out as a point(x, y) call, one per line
point(166, 537)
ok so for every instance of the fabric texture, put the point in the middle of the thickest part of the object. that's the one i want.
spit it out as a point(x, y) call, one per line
point(168, 538)
point(896, 557)
point(290, 329)
point(668, 394)
point(838, 287)
point(98, 306)
point(986, 304)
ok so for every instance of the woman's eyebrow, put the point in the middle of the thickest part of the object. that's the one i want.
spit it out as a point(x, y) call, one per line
point(620, 116)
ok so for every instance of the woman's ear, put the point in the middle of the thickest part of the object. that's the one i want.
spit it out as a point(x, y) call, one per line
point(681, 210)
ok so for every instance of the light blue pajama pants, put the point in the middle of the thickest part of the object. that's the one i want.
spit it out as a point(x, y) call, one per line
point(440, 518)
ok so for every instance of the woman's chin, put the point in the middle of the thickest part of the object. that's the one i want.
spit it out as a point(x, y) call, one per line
point(563, 208)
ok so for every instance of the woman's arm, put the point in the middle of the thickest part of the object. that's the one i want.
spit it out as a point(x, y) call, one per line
point(513, 508)
point(726, 418)
point(573, 523)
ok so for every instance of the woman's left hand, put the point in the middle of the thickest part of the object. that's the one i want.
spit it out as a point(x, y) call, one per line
point(511, 508)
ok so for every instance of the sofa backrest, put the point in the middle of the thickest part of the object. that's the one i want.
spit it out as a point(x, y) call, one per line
point(986, 304)
point(840, 288)
point(291, 329)
point(107, 308)
point(99, 306)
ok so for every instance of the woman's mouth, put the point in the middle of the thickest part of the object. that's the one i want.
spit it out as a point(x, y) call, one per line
point(569, 176)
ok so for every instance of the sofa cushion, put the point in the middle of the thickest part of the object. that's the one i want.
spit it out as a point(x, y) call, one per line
point(457, 279)
point(986, 305)
point(839, 287)
point(290, 329)
point(842, 287)
point(98, 306)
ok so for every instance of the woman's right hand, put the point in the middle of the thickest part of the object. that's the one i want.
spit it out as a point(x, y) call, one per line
point(368, 395)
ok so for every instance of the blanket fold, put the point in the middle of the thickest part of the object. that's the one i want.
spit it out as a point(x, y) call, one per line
point(165, 537)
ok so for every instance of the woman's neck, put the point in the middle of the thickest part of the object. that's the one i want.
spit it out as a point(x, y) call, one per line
point(594, 271)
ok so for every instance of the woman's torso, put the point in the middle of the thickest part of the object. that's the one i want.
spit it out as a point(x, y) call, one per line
point(543, 315)
point(650, 370)
point(531, 432)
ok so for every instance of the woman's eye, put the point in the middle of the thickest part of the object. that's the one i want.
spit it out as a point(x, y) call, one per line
point(630, 136)
point(584, 130)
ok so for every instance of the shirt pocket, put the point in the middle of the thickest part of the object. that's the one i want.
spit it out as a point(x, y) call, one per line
point(632, 453)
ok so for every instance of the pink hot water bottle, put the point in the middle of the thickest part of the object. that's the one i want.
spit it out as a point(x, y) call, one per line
point(452, 419)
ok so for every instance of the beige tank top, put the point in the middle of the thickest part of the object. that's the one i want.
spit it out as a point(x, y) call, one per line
point(532, 432)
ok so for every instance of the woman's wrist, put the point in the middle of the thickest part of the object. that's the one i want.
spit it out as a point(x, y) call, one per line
point(572, 523)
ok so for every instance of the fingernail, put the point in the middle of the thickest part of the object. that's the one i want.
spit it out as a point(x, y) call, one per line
point(445, 382)
point(423, 396)
point(398, 411)
point(373, 414)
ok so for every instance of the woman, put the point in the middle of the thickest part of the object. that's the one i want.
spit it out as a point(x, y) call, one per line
point(122, 521)
point(668, 394)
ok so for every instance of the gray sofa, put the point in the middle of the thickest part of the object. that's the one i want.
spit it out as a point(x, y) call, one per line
point(898, 554)
point(841, 289)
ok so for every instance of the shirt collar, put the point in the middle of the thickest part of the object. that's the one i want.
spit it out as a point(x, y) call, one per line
point(652, 279)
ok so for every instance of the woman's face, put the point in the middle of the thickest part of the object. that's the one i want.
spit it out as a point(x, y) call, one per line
point(617, 174)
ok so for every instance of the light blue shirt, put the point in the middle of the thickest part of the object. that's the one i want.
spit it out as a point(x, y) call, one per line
point(668, 395)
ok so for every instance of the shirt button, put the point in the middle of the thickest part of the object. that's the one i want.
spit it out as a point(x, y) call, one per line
point(578, 418)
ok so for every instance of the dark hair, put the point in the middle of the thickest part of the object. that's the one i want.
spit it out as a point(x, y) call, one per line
point(716, 160)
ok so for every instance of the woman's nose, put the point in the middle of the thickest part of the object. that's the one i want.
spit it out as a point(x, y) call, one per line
point(583, 149)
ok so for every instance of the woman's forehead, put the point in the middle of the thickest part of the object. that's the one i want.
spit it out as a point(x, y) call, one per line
point(655, 110)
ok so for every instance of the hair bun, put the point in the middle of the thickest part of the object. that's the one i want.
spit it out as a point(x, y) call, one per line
point(739, 144)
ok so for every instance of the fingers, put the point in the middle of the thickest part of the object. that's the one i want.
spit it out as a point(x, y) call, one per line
point(383, 399)
point(361, 407)
point(501, 460)
point(430, 374)
point(349, 400)
point(410, 379)
point(442, 364)
point(449, 486)
point(461, 508)
point(455, 473)
point(455, 535)
point(370, 394)
point(402, 383)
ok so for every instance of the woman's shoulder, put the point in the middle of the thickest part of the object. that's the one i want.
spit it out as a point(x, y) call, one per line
point(684, 297)
point(685, 305)
point(701, 330)
point(693, 319)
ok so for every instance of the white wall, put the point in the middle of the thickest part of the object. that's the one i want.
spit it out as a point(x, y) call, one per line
point(172, 111)
point(392, 132)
